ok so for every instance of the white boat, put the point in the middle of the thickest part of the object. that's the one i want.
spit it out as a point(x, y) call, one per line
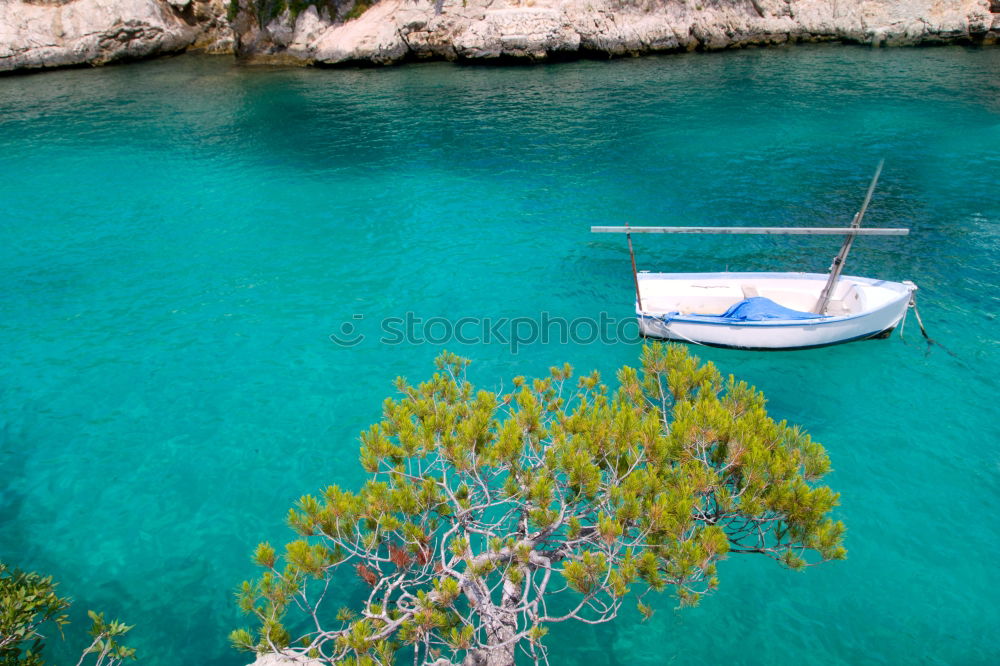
point(767, 311)
point(770, 310)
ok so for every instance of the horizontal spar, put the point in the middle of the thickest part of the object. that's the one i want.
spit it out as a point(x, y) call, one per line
point(805, 231)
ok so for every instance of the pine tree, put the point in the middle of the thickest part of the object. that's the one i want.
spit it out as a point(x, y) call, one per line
point(490, 516)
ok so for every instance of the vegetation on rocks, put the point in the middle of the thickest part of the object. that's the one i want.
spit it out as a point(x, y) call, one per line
point(358, 8)
point(268, 10)
point(490, 516)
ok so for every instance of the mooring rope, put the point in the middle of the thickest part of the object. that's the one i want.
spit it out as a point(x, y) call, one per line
point(666, 324)
point(920, 322)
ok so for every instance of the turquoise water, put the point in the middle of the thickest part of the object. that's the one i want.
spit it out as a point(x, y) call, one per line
point(180, 238)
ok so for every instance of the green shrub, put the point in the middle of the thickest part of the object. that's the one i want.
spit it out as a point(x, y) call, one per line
point(29, 605)
point(268, 10)
point(359, 8)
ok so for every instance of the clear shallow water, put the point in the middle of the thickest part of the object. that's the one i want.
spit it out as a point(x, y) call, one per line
point(180, 238)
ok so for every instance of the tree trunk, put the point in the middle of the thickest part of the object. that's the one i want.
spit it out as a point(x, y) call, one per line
point(500, 623)
point(500, 632)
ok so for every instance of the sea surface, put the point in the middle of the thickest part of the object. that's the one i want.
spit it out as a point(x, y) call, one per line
point(179, 240)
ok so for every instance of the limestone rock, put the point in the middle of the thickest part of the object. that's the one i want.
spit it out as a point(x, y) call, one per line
point(287, 659)
point(374, 37)
point(215, 34)
point(290, 658)
point(54, 33)
point(399, 30)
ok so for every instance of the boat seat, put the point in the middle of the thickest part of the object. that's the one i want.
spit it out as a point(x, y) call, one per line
point(853, 302)
point(854, 299)
point(749, 291)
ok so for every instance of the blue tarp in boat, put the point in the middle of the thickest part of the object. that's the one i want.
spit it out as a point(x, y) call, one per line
point(759, 308)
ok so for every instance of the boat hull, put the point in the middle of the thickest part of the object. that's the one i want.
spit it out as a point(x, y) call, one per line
point(889, 301)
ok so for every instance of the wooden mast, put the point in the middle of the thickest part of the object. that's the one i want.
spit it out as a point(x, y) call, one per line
point(635, 275)
point(838, 262)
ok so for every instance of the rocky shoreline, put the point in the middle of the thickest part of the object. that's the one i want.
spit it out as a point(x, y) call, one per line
point(36, 34)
